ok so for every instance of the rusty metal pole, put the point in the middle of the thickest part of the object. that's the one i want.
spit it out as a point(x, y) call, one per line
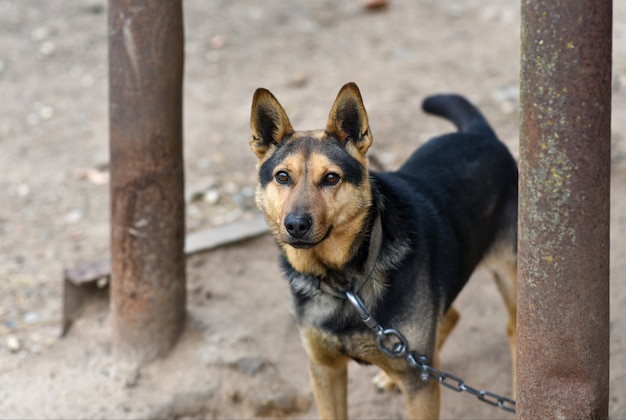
point(563, 302)
point(147, 192)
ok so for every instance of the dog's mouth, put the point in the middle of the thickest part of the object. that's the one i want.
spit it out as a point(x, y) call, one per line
point(304, 244)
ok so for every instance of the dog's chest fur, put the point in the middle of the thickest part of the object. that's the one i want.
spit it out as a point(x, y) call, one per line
point(391, 292)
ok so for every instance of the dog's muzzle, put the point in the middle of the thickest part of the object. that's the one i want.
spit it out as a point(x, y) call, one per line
point(300, 233)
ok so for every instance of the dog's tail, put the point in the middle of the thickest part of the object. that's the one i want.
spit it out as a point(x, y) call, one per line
point(466, 117)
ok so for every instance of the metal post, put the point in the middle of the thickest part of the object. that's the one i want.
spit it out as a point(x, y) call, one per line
point(563, 302)
point(147, 201)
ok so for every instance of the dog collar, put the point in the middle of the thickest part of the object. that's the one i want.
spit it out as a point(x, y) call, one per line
point(376, 239)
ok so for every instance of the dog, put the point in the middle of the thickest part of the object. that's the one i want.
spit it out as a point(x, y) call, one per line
point(405, 242)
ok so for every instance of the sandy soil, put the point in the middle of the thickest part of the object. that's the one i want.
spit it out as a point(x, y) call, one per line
point(239, 355)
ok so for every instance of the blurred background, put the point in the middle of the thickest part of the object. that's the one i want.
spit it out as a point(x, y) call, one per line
point(54, 193)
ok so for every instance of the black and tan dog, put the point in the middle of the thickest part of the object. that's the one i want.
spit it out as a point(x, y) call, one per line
point(406, 241)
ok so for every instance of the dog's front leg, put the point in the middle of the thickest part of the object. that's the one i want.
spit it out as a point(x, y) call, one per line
point(422, 399)
point(328, 371)
point(330, 388)
point(423, 404)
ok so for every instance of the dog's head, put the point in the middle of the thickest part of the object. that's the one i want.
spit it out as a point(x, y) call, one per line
point(313, 186)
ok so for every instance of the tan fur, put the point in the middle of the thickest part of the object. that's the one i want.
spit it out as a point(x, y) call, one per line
point(328, 372)
point(507, 286)
point(424, 404)
point(446, 325)
point(502, 262)
point(343, 209)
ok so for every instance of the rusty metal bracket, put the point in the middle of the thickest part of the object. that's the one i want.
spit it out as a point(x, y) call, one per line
point(79, 283)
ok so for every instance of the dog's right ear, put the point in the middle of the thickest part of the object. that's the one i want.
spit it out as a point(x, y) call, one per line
point(348, 120)
point(269, 123)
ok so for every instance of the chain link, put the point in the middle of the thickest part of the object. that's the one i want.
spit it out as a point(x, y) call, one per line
point(393, 343)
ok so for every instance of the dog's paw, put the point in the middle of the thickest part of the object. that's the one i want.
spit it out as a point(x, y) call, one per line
point(383, 383)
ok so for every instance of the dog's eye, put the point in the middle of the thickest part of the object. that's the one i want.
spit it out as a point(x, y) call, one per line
point(282, 177)
point(331, 178)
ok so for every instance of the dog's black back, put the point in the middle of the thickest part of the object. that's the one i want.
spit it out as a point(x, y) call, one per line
point(463, 190)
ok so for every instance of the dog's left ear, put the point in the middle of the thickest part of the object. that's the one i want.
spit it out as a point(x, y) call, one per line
point(348, 120)
point(268, 121)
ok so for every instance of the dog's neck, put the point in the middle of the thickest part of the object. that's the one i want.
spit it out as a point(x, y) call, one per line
point(352, 279)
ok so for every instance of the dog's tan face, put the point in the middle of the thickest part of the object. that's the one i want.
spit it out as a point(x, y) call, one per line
point(313, 185)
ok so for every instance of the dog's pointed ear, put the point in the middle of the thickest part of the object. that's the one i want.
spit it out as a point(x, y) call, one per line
point(348, 120)
point(269, 123)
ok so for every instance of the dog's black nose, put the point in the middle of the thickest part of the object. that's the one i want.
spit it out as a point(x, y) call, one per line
point(298, 224)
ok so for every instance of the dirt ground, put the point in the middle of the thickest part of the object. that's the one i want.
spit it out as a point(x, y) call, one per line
point(239, 355)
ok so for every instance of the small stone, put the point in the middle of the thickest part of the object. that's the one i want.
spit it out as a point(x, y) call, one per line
point(234, 396)
point(46, 112)
point(23, 190)
point(132, 379)
point(94, 175)
point(13, 343)
point(102, 282)
point(217, 41)
point(298, 80)
point(87, 80)
point(95, 7)
point(41, 33)
point(74, 216)
point(31, 318)
point(250, 365)
point(32, 119)
point(211, 196)
point(375, 4)
point(47, 48)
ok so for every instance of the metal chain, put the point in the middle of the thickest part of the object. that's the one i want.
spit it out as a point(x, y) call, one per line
point(393, 343)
